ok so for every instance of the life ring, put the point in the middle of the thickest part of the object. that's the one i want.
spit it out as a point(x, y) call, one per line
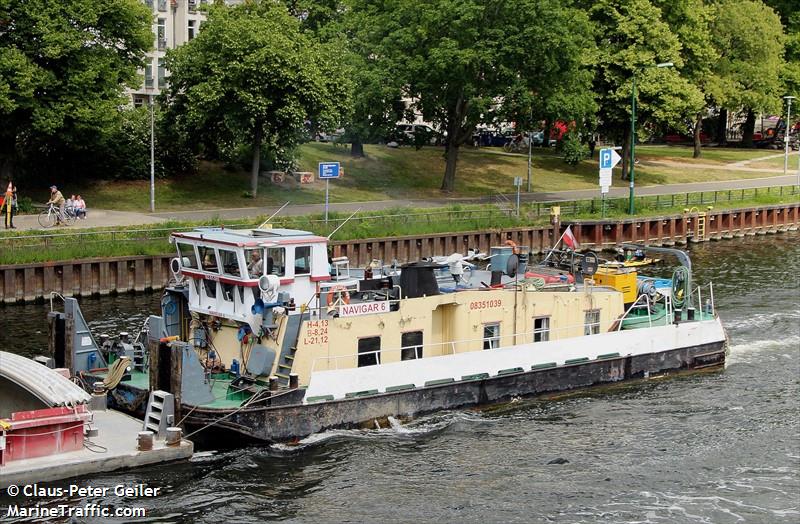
point(514, 246)
point(343, 294)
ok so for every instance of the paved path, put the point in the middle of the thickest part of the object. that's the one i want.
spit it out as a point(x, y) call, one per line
point(94, 218)
point(554, 196)
point(99, 217)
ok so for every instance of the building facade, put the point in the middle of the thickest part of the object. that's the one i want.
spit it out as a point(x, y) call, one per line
point(175, 22)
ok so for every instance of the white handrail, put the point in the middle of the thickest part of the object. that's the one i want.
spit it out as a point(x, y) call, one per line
point(637, 305)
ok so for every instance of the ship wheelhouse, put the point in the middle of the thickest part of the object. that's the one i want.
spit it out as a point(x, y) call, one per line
point(224, 268)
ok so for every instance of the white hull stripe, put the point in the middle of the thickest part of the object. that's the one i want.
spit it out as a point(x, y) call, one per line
point(627, 343)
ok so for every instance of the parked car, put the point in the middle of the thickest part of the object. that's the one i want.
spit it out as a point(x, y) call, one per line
point(485, 137)
point(416, 134)
point(333, 136)
point(538, 139)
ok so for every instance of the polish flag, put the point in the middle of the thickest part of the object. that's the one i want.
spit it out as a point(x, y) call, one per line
point(570, 240)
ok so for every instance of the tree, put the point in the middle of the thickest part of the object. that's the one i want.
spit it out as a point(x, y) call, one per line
point(690, 21)
point(749, 38)
point(458, 60)
point(63, 70)
point(632, 38)
point(252, 76)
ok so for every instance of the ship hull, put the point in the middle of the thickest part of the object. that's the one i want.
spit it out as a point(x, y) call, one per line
point(290, 422)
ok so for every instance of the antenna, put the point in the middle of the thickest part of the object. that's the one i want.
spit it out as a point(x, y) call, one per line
point(343, 223)
point(264, 223)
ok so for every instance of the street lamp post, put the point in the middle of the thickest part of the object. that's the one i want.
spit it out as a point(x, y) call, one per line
point(786, 133)
point(152, 156)
point(631, 207)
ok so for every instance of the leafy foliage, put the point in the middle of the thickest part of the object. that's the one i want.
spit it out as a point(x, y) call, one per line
point(573, 149)
point(458, 59)
point(253, 77)
point(63, 69)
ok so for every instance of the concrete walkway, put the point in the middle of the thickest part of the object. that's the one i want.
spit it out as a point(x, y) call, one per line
point(553, 196)
point(113, 448)
point(94, 218)
point(108, 218)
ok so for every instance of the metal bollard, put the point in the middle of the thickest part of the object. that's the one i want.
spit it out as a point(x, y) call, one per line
point(273, 383)
point(99, 400)
point(145, 441)
point(294, 381)
point(677, 315)
point(174, 436)
point(690, 313)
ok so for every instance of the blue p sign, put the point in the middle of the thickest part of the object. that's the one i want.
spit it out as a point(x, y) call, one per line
point(606, 161)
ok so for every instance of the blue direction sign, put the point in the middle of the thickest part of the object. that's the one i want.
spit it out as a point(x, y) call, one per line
point(608, 158)
point(328, 170)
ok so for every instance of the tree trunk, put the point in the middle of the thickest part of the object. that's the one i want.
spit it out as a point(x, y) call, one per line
point(698, 127)
point(722, 127)
point(749, 128)
point(357, 149)
point(451, 157)
point(256, 161)
point(626, 152)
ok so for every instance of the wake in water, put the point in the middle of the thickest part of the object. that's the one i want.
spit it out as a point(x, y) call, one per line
point(421, 427)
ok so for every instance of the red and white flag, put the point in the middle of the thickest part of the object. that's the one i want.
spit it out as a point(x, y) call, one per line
point(569, 239)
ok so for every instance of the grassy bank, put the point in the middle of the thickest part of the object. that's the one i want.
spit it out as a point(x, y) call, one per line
point(42, 246)
point(405, 173)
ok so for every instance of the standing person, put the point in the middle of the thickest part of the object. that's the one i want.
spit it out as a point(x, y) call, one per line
point(69, 205)
point(10, 205)
point(57, 199)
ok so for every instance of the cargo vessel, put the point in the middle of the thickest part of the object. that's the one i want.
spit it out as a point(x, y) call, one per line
point(262, 336)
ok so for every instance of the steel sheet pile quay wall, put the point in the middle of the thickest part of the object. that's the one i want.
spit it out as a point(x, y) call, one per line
point(31, 282)
point(47, 385)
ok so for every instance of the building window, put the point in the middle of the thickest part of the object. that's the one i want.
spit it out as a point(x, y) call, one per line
point(208, 259)
point(276, 261)
point(230, 263)
point(192, 6)
point(148, 76)
point(192, 29)
point(302, 260)
point(162, 5)
point(491, 336)
point(369, 351)
point(188, 257)
point(149, 3)
point(411, 343)
point(162, 72)
point(592, 324)
point(161, 34)
point(138, 101)
point(541, 329)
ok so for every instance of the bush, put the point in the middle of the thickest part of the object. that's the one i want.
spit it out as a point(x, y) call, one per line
point(573, 150)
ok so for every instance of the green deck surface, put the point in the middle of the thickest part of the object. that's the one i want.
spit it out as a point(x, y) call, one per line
point(638, 318)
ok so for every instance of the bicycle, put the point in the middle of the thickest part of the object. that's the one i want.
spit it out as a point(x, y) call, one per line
point(518, 144)
point(53, 215)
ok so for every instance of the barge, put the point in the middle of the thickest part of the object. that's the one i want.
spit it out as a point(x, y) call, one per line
point(262, 336)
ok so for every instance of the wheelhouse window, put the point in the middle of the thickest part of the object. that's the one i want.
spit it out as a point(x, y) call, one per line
point(541, 329)
point(411, 345)
point(208, 259)
point(255, 262)
point(276, 261)
point(491, 336)
point(188, 256)
point(210, 288)
point(230, 263)
point(592, 324)
point(302, 260)
point(369, 351)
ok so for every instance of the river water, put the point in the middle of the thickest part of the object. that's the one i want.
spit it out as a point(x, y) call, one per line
point(719, 447)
